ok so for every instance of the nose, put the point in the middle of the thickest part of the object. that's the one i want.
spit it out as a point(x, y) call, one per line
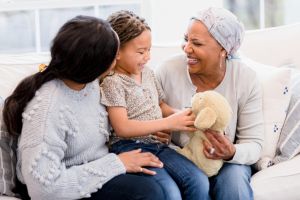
point(186, 47)
point(147, 56)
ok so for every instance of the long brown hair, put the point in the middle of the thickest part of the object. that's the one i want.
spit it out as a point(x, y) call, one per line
point(82, 50)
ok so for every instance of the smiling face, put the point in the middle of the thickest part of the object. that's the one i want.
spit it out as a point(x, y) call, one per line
point(202, 50)
point(134, 54)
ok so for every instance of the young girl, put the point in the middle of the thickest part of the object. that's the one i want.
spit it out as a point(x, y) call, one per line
point(136, 109)
point(62, 152)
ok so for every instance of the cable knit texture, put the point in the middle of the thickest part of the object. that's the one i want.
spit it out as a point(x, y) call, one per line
point(62, 149)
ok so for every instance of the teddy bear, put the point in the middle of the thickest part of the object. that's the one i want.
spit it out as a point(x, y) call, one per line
point(212, 112)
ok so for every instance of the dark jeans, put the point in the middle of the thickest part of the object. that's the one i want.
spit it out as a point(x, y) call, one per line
point(179, 176)
point(129, 187)
point(122, 187)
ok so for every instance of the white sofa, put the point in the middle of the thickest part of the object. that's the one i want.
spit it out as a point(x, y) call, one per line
point(277, 47)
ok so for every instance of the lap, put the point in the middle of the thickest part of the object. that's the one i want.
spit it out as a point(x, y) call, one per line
point(129, 187)
point(232, 182)
point(233, 172)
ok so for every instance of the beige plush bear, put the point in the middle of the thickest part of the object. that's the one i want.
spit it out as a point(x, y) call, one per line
point(212, 112)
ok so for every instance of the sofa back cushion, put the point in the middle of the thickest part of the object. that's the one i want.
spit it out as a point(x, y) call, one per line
point(289, 142)
point(13, 68)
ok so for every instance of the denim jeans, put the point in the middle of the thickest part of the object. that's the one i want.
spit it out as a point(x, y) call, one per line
point(232, 182)
point(129, 187)
point(179, 176)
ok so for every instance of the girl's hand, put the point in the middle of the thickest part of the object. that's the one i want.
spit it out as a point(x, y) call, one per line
point(182, 121)
point(164, 137)
point(136, 160)
point(218, 147)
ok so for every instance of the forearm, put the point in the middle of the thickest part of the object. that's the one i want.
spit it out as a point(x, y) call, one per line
point(246, 153)
point(136, 128)
point(60, 182)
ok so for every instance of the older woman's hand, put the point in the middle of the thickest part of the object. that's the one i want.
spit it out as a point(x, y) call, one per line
point(136, 160)
point(220, 148)
point(164, 137)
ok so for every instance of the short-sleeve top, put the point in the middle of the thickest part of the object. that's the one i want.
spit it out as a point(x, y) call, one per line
point(140, 100)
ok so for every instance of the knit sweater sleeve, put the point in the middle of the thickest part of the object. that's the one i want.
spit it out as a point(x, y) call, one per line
point(41, 163)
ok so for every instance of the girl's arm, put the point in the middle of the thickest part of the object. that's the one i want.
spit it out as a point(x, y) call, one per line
point(125, 127)
point(166, 109)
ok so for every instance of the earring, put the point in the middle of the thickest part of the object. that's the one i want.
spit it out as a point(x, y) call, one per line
point(223, 54)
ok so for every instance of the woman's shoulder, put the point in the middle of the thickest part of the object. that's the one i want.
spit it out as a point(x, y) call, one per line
point(176, 62)
point(47, 90)
point(44, 95)
point(241, 69)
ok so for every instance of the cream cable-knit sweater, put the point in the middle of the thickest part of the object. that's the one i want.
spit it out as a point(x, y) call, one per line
point(62, 152)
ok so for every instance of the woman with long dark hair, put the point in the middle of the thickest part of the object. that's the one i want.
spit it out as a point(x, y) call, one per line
point(63, 128)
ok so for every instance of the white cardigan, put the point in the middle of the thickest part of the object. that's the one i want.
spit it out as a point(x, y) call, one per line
point(240, 87)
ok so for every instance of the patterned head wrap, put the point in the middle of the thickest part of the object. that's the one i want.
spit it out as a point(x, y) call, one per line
point(223, 26)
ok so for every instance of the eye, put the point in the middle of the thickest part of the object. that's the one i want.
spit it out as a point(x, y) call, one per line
point(197, 44)
point(185, 38)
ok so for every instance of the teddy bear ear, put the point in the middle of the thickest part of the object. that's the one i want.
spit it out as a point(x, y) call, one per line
point(205, 118)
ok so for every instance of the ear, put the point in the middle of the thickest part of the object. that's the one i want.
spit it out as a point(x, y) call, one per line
point(118, 56)
point(223, 53)
point(205, 118)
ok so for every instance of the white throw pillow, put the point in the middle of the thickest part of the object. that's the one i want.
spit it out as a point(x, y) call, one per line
point(276, 97)
point(13, 68)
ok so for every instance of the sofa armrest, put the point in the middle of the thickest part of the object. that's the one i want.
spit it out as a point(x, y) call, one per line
point(278, 182)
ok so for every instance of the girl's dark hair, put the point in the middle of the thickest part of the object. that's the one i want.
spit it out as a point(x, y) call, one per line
point(127, 25)
point(82, 50)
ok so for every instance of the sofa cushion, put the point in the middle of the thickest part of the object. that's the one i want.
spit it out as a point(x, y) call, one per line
point(276, 97)
point(278, 182)
point(289, 142)
point(8, 145)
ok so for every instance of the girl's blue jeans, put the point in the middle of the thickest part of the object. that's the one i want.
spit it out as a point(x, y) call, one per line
point(179, 178)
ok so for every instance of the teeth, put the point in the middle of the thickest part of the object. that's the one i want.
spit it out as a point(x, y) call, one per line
point(192, 61)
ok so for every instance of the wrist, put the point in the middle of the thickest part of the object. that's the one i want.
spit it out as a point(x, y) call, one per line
point(167, 123)
point(232, 155)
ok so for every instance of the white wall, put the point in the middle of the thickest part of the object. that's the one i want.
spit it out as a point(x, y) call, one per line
point(169, 21)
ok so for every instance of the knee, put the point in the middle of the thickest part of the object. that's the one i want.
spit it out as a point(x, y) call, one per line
point(149, 191)
point(235, 176)
point(199, 180)
point(153, 191)
point(234, 182)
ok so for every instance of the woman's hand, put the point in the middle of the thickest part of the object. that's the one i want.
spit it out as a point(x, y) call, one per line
point(164, 137)
point(136, 160)
point(220, 147)
point(182, 121)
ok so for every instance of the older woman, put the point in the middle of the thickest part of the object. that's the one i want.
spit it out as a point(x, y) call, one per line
point(211, 41)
